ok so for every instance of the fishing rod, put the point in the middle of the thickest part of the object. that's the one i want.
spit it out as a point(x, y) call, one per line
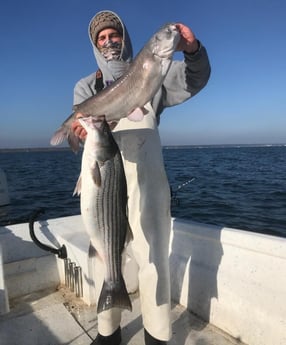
point(174, 200)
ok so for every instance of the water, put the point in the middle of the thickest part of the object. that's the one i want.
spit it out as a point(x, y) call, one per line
point(242, 187)
point(42, 179)
point(239, 187)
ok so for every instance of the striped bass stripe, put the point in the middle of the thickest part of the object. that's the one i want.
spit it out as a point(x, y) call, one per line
point(112, 222)
point(112, 225)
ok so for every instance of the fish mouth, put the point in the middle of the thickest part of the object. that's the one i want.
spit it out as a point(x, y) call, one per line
point(171, 33)
point(96, 122)
point(173, 26)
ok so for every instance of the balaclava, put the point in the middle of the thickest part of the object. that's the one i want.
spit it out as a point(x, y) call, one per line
point(113, 58)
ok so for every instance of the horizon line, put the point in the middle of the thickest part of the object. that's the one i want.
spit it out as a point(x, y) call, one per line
point(66, 148)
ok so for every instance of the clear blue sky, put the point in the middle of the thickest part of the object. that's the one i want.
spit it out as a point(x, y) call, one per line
point(45, 49)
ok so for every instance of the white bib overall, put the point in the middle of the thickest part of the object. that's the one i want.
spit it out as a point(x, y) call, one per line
point(150, 222)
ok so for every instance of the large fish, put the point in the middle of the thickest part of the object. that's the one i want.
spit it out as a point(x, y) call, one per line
point(127, 96)
point(103, 203)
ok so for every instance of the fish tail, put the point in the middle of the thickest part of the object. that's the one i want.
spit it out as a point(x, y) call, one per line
point(62, 134)
point(59, 136)
point(114, 295)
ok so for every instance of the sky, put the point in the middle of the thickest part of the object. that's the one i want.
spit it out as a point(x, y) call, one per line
point(45, 50)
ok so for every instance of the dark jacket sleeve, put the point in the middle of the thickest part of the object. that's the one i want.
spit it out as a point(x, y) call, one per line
point(184, 79)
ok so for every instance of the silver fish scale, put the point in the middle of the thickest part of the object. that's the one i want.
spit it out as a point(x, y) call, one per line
point(112, 221)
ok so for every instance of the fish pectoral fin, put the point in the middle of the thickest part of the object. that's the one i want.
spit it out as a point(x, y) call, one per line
point(96, 176)
point(77, 189)
point(137, 114)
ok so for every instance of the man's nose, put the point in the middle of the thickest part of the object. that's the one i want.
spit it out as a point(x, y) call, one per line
point(107, 42)
point(109, 38)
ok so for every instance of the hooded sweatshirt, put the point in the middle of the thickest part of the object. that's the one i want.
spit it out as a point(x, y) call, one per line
point(183, 80)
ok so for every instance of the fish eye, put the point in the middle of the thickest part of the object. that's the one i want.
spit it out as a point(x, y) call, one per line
point(168, 31)
point(158, 38)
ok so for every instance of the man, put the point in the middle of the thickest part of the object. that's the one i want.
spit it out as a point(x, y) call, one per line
point(147, 185)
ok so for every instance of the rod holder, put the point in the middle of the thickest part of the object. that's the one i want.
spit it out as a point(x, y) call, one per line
point(78, 281)
point(67, 272)
point(71, 276)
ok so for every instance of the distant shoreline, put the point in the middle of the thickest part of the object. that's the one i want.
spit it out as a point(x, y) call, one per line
point(34, 149)
point(166, 147)
point(219, 146)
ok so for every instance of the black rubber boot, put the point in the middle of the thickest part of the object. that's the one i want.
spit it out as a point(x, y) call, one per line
point(113, 339)
point(149, 340)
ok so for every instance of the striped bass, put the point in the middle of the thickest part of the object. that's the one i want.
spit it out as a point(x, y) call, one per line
point(103, 203)
point(127, 96)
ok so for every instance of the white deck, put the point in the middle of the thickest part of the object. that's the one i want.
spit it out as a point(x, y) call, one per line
point(57, 318)
point(233, 279)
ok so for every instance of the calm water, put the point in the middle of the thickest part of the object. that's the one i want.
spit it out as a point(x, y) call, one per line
point(241, 187)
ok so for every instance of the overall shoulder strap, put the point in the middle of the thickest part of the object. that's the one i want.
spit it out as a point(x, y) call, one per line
point(99, 81)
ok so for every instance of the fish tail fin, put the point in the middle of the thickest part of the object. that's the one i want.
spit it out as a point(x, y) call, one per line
point(59, 136)
point(114, 295)
point(62, 134)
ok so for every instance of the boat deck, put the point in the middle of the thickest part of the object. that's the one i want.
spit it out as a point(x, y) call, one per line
point(58, 317)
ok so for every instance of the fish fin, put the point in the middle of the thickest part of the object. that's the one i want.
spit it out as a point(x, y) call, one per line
point(59, 136)
point(114, 294)
point(90, 277)
point(91, 251)
point(96, 176)
point(73, 142)
point(62, 134)
point(77, 189)
point(137, 114)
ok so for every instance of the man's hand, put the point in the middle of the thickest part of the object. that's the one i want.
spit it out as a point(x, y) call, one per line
point(77, 128)
point(80, 132)
point(188, 41)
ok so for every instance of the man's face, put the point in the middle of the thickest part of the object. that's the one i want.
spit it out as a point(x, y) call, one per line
point(108, 35)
